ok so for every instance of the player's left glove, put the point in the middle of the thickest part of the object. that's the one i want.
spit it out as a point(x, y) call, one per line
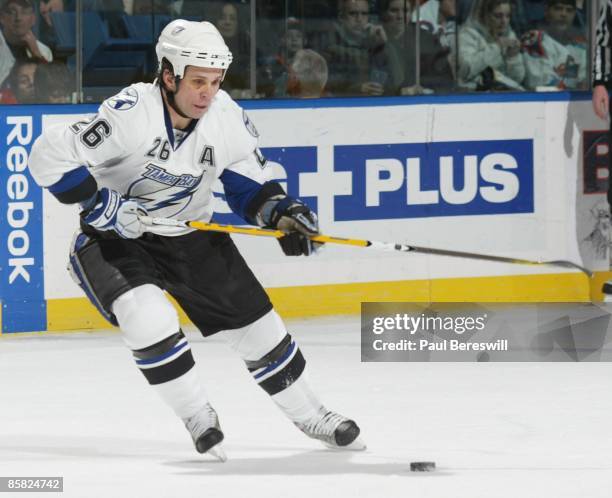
point(296, 219)
point(111, 211)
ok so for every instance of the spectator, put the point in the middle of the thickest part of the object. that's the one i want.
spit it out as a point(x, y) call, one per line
point(308, 75)
point(436, 73)
point(556, 53)
point(523, 13)
point(293, 39)
point(520, 13)
point(274, 69)
point(229, 20)
point(535, 13)
point(17, 18)
point(53, 84)
point(356, 54)
point(489, 52)
point(21, 81)
point(560, 22)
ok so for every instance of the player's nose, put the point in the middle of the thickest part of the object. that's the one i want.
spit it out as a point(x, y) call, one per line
point(206, 91)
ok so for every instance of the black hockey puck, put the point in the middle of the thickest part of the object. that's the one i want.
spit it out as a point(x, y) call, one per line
point(422, 466)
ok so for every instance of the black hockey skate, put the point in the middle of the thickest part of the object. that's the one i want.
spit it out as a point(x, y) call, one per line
point(206, 432)
point(334, 430)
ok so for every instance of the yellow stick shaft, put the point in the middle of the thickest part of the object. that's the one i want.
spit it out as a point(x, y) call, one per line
point(264, 232)
point(385, 246)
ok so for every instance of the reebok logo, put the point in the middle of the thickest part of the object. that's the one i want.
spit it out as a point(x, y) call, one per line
point(17, 187)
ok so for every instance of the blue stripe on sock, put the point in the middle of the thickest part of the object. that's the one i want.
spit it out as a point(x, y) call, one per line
point(161, 357)
point(273, 366)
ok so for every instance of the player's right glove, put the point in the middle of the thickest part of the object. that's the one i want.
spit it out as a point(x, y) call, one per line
point(296, 219)
point(110, 211)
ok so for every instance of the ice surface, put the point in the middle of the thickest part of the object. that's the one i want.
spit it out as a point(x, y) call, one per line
point(74, 405)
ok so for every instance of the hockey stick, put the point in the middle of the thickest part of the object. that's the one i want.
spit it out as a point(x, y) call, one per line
point(371, 244)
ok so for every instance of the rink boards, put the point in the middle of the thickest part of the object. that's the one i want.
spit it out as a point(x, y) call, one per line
point(518, 175)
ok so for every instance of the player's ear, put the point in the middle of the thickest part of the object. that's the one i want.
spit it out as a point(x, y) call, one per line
point(168, 80)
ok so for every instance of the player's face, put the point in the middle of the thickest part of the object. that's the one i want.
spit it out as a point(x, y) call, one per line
point(560, 15)
point(197, 89)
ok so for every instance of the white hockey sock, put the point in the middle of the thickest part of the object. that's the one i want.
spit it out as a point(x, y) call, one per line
point(185, 395)
point(277, 365)
point(152, 331)
point(298, 401)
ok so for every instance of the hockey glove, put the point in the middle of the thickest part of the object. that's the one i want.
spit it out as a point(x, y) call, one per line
point(296, 219)
point(110, 211)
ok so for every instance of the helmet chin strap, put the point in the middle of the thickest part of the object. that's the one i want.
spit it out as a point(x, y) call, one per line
point(171, 100)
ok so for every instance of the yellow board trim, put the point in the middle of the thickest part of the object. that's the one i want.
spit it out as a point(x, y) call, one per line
point(338, 299)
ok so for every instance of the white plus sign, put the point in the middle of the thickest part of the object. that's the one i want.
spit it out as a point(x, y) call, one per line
point(325, 183)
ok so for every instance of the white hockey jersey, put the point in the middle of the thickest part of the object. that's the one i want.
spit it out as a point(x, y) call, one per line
point(130, 146)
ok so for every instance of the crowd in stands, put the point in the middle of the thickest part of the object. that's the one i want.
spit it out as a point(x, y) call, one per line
point(321, 48)
point(494, 53)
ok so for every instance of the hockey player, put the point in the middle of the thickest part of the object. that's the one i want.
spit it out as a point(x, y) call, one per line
point(157, 149)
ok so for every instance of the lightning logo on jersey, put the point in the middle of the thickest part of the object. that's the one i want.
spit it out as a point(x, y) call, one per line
point(249, 124)
point(124, 100)
point(159, 189)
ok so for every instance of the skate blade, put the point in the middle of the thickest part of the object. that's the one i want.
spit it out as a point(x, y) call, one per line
point(357, 445)
point(218, 453)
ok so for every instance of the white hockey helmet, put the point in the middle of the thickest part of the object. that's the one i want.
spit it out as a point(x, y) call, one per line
point(189, 43)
